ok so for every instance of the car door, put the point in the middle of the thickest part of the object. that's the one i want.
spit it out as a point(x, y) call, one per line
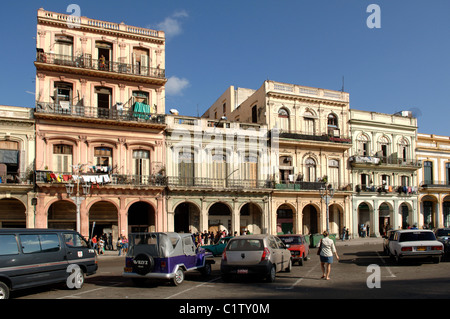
point(189, 252)
point(276, 252)
point(285, 254)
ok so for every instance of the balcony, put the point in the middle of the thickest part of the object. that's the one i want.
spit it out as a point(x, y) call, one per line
point(392, 160)
point(64, 110)
point(435, 184)
point(308, 136)
point(15, 178)
point(386, 190)
point(310, 186)
point(84, 64)
point(218, 184)
point(100, 179)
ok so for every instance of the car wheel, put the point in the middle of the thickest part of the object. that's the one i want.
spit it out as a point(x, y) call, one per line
point(179, 277)
point(206, 271)
point(272, 274)
point(4, 291)
point(76, 277)
point(300, 261)
point(436, 260)
point(398, 259)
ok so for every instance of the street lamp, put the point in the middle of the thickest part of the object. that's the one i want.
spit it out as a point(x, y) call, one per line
point(77, 198)
point(327, 193)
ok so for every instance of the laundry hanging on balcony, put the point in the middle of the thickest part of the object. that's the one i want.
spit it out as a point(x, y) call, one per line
point(142, 110)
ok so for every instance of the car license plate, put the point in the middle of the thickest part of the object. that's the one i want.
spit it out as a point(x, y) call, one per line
point(242, 271)
point(421, 248)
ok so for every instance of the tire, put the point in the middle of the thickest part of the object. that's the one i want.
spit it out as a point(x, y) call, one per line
point(206, 271)
point(4, 291)
point(272, 274)
point(436, 260)
point(300, 261)
point(179, 277)
point(143, 264)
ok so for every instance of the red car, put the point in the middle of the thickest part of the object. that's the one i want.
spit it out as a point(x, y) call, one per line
point(298, 246)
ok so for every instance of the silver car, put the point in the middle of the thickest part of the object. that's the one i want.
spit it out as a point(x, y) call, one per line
point(262, 255)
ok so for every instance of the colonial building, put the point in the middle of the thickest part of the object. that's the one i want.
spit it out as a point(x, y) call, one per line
point(217, 176)
point(310, 143)
point(384, 171)
point(100, 125)
point(434, 180)
point(17, 153)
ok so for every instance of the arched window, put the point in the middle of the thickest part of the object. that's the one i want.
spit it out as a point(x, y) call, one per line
point(283, 119)
point(403, 149)
point(310, 170)
point(333, 127)
point(309, 123)
point(363, 145)
point(383, 148)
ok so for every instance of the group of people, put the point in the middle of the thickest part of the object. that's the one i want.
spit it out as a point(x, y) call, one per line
point(105, 242)
point(208, 237)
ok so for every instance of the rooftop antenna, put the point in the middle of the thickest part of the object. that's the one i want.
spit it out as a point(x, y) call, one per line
point(342, 83)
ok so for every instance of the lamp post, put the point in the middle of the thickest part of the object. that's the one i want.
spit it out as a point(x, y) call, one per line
point(327, 193)
point(77, 198)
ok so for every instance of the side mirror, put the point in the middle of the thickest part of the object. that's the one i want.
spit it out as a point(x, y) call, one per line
point(287, 245)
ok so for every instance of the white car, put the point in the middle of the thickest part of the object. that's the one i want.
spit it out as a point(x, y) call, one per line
point(415, 243)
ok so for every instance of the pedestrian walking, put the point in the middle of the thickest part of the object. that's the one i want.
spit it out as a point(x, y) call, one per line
point(327, 248)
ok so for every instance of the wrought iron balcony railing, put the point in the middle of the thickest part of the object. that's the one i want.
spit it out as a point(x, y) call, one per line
point(314, 137)
point(85, 61)
point(218, 183)
point(115, 113)
point(102, 179)
point(302, 185)
point(430, 183)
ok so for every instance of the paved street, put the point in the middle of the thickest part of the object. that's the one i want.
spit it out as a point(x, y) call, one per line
point(349, 279)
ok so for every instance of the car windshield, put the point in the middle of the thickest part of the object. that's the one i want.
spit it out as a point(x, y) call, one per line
point(291, 240)
point(417, 236)
point(443, 232)
point(245, 245)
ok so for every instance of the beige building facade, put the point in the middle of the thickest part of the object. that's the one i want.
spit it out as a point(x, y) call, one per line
point(434, 180)
point(384, 168)
point(17, 154)
point(310, 145)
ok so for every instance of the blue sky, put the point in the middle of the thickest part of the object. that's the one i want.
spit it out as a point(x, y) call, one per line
point(211, 44)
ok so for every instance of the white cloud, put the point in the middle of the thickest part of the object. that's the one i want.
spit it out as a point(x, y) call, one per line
point(176, 85)
point(172, 24)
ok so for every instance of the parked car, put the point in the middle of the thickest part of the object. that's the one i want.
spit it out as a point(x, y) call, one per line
point(166, 256)
point(414, 243)
point(260, 255)
point(37, 257)
point(443, 235)
point(298, 247)
point(217, 249)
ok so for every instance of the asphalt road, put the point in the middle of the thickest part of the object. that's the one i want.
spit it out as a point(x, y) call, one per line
point(362, 273)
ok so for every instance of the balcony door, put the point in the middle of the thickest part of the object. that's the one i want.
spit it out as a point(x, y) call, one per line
point(186, 168)
point(104, 53)
point(428, 172)
point(141, 165)
point(104, 101)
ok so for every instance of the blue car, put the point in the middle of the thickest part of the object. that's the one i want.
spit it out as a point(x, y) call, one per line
point(164, 256)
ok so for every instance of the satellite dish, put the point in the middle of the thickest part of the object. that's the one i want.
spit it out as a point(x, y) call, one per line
point(173, 111)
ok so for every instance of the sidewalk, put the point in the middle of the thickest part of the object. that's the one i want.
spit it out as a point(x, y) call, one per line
point(360, 241)
point(111, 253)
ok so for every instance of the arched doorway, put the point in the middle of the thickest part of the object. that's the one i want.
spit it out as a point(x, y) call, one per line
point(285, 220)
point(12, 213)
point(310, 220)
point(364, 211)
point(141, 218)
point(105, 216)
point(251, 219)
point(62, 215)
point(187, 218)
point(405, 212)
point(219, 218)
point(384, 218)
